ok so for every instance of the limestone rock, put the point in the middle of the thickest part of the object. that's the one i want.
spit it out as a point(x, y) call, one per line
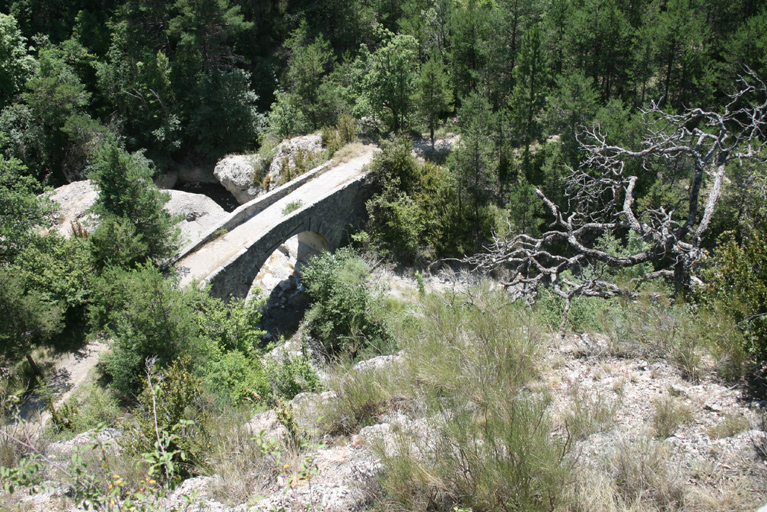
point(345, 481)
point(108, 438)
point(200, 213)
point(239, 174)
point(75, 199)
point(247, 177)
point(290, 151)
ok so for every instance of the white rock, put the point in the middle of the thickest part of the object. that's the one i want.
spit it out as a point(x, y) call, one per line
point(238, 175)
point(200, 213)
point(75, 199)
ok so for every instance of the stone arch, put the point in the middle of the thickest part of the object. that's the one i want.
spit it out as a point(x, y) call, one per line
point(321, 226)
point(311, 243)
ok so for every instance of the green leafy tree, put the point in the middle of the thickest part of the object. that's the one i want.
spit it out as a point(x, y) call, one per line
point(531, 79)
point(58, 102)
point(22, 213)
point(389, 82)
point(395, 222)
point(310, 60)
point(599, 38)
point(223, 117)
point(395, 162)
point(433, 95)
point(468, 36)
point(140, 89)
point(571, 106)
point(30, 318)
point(16, 65)
point(205, 30)
point(131, 209)
point(678, 31)
point(472, 160)
point(738, 280)
point(60, 270)
point(285, 118)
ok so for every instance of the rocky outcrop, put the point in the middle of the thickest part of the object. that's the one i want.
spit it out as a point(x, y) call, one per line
point(249, 176)
point(199, 212)
point(241, 175)
point(294, 153)
point(74, 199)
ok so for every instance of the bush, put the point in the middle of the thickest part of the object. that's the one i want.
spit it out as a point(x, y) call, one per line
point(669, 415)
point(738, 286)
point(485, 441)
point(290, 376)
point(345, 313)
point(171, 409)
point(237, 377)
point(395, 222)
point(145, 315)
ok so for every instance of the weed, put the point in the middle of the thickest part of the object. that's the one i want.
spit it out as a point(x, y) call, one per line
point(243, 463)
point(485, 440)
point(670, 413)
point(292, 206)
point(642, 473)
point(360, 398)
point(588, 413)
point(730, 426)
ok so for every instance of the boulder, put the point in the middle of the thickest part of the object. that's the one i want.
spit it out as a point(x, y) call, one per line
point(240, 175)
point(287, 154)
point(246, 176)
point(200, 213)
point(74, 199)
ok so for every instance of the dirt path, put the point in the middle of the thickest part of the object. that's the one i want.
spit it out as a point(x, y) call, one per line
point(69, 373)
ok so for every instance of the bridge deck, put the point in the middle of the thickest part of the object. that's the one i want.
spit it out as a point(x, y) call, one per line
point(200, 264)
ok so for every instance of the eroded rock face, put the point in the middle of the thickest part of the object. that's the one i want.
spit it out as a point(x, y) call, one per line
point(249, 176)
point(292, 151)
point(199, 212)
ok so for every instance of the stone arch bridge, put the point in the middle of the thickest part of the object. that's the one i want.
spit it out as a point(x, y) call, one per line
point(324, 202)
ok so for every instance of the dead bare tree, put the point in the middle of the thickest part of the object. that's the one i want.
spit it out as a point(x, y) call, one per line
point(697, 143)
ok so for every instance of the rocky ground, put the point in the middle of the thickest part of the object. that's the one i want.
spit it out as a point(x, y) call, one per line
point(718, 443)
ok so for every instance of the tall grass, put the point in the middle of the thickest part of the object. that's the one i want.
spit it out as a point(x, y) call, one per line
point(483, 435)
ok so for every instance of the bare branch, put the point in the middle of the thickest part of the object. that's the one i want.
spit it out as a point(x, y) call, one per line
point(693, 148)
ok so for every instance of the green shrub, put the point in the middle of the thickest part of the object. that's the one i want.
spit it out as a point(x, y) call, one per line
point(290, 376)
point(346, 312)
point(145, 316)
point(738, 285)
point(238, 376)
point(395, 223)
point(171, 405)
